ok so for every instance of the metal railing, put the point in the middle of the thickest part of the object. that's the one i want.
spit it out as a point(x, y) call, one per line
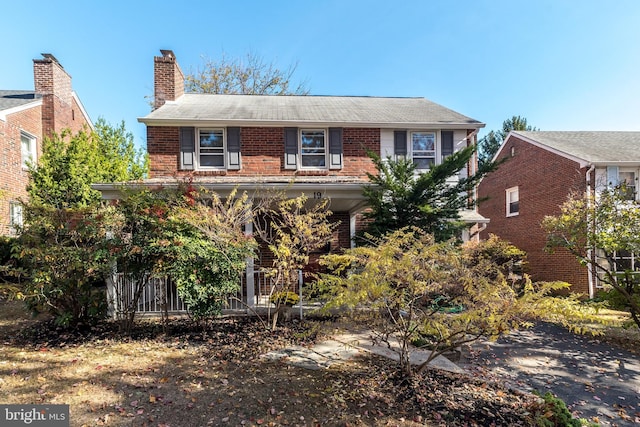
point(159, 292)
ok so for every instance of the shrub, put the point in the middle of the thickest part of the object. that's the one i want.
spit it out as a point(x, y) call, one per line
point(286, 298)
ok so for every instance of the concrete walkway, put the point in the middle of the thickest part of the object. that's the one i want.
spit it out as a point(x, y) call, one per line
point(596, 381)
point(346, 345)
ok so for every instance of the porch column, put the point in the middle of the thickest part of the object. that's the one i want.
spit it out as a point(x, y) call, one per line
point(249, 277)
point(352, 228)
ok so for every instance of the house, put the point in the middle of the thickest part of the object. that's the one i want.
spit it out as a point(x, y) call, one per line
point(541, 170)
point(26, 117)
point(316, 145)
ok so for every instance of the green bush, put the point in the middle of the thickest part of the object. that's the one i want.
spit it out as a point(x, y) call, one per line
point(553, 412)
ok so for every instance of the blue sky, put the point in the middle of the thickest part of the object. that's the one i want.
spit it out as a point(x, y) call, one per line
point(562, 64)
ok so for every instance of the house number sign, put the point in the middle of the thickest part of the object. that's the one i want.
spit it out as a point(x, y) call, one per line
point(317, 194)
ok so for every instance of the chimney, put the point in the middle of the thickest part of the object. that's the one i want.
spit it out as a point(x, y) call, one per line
point(168, 79)
point(53, 83)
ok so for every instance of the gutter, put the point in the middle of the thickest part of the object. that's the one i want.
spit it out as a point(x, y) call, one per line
point(590, 274)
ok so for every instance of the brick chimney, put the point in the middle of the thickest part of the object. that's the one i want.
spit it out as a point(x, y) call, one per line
point(168, 79)
point(53, 83)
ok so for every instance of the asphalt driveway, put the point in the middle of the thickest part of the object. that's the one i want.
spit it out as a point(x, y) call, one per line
point(597, 382)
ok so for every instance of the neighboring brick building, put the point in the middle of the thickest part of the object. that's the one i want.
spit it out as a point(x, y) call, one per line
point(541, 171)
point(26, 117)
point(315, 145)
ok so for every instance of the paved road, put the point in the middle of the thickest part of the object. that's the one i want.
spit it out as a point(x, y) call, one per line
point(597, 382)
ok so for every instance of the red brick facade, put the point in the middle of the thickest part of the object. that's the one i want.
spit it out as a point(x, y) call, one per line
point(262, 151)
point(544, 182)
point(56, 109)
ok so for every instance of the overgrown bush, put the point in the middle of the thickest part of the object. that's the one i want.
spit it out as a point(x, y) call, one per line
point(63, 253)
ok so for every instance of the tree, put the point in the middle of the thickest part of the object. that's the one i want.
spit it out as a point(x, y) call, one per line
point(416, 292)
point(399, 197)
point(595, 229)
point(490, 143)
point(69, 164)
point(210, 249)
point(292, 229)
point(250, 76)
point(61, 241)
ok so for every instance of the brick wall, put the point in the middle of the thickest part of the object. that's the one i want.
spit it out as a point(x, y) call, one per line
point(13, 179)
point(262, 151)
point(59, 111)
point(544, 181)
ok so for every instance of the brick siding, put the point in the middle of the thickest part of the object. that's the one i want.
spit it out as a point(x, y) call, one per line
point(262, 151)
point(544, 181)
point(58, 111)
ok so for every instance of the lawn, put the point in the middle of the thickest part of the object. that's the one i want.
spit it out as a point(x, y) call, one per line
point(194, 377)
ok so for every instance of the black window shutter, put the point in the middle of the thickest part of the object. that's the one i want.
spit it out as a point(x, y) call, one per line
point(290, 148)
point(400, 142)
point(335, 148)
point(233, 148)
point(187, 148)
point(447, 143)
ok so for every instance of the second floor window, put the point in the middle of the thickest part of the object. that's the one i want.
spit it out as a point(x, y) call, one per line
point(313, 148)
point(28, 149)
point(423, 149)
point(211, 151)
point(627, 180)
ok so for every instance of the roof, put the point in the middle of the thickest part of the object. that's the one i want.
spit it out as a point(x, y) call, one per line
point(604, 147)
point(294, 110)
point(10, 99)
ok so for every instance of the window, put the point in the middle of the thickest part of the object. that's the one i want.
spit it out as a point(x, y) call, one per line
point(513, 201)
point(627, 180)
point(423, 149)
point(28, 144)
point(15, 215)
point(211, 151)
point(313, 148)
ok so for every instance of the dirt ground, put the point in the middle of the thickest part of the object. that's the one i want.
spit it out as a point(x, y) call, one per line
point(191, 376)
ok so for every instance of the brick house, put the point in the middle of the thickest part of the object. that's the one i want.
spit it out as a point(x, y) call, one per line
point(316, 145)
point(26, 117)
point(541, 171)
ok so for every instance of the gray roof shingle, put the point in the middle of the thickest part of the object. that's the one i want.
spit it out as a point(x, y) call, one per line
point(296, 110)
point(16, 98)
point(594, 147)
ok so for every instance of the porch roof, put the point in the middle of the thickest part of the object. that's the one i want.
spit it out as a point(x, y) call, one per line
point(345, 193)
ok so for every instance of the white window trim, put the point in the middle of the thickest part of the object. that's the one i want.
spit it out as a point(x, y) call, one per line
point(508, 200)
point(33, 149)
point(15, 215)
point(223, 154)
point(635, 178)
point(326, 149)
point(437, 148)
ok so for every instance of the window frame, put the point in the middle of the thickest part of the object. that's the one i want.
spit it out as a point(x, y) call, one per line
point(411, 151)
point(634, 179)
point(16, 215)
point(31, 155)
point(510, 202)
point(222, 153)
point(325, 148)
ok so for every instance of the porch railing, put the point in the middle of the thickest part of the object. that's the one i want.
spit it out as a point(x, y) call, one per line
point(159, 291)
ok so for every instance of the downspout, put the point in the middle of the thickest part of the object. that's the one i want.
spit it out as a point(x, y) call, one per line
point(590, 275)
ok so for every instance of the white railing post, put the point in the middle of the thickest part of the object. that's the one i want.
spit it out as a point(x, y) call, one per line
point(249, 277)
